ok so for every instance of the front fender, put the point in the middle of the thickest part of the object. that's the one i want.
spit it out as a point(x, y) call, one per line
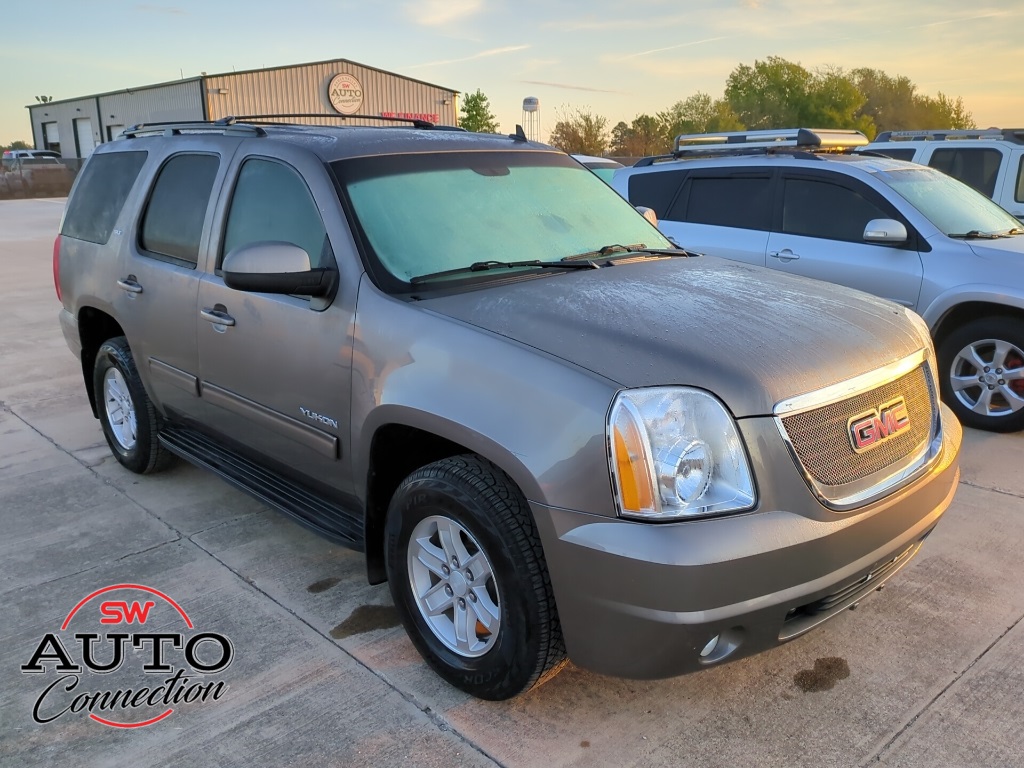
point(540, 418)
point(986, 293)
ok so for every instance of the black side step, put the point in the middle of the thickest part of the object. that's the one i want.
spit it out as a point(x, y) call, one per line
point(331, 521)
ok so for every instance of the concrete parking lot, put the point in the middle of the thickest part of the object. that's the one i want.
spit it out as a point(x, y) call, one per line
point(927, 672)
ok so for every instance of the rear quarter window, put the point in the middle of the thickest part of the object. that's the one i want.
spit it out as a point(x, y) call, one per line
point(655, 190)
point(105, 183)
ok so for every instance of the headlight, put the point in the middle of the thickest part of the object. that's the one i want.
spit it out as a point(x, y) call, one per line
point(675, 453)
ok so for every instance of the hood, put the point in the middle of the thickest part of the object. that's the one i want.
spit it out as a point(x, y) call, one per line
point(1004, 248)
point(751, 336)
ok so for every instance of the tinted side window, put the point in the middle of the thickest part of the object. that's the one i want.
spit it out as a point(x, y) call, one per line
point(976, 168)
point(272, 202)
point(742, 202)
point(99, 197)
point(895, 154)
point(822, 209)
point(173, 223)
point(655, 190)
point(1019, 194)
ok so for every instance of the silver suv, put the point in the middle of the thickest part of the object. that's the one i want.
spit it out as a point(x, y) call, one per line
point(793, 201)
point(466, 356)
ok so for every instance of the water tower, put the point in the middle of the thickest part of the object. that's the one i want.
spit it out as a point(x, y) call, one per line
point(531, 118)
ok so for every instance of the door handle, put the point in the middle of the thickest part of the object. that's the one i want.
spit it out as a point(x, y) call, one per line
point(217, 317)
point(129, 285)
point(784, 255)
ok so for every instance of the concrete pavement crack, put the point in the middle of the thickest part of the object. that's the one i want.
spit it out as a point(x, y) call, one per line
point(994, 490)
point(880, 753)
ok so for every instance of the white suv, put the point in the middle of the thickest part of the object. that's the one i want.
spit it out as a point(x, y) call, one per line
point(991, 161)
point(902, 231)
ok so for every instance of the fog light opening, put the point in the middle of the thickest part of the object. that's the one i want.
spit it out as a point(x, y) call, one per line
point(722, 646)
point(710, 647)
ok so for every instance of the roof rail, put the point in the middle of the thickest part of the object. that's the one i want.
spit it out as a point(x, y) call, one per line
point(1016, 135)
point(820, 139)
point(226, 125)
point(415, 122)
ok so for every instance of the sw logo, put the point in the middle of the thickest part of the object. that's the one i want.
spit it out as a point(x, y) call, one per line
point(872, 428)
point(173, 662)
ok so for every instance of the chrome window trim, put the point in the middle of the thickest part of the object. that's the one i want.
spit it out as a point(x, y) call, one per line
point(850, 496)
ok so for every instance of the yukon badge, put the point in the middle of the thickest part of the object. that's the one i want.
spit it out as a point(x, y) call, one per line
point(870, 429)
point(318, 417)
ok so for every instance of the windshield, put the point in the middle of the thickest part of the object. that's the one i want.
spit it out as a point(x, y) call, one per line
point(953, 207)
point(430, 213)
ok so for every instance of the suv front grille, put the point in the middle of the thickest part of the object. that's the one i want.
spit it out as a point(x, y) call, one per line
point(820, 438)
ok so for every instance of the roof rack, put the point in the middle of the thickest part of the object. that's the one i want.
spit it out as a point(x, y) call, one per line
point(816, 139)
point(266, 119)
point(1016, 135)
point(249, 125)
point(226, 125)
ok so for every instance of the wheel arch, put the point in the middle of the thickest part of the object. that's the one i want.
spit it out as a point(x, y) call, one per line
point(965, 312)
point(94, 328)
point(401, 445)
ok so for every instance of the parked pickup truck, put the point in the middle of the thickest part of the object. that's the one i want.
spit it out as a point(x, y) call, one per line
point(32, 171)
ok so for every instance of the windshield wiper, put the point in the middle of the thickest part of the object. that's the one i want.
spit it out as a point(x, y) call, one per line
point(618, 249)
point(975, 234)
point(483, 266)
point(1014, 231)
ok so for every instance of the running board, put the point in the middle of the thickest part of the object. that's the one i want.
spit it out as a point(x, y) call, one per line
point(315, 512)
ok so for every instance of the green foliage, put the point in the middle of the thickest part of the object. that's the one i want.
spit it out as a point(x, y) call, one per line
point(697, 114)
point(580, 132)
point(16, 145)
point(643, 137)
point(476, 114)
point(774, 93)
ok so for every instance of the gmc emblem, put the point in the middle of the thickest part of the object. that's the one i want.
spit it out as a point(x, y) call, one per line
point(869, 430)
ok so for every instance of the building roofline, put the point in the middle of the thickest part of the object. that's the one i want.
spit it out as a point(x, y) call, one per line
point(202, 78)
point(332, 61)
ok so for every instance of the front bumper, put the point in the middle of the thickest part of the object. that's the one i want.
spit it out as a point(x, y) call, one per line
point(643, 600)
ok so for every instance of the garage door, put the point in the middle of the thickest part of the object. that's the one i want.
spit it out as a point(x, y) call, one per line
point(83, 132)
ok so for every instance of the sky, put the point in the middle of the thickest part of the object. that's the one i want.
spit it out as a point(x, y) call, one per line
point(615, 59)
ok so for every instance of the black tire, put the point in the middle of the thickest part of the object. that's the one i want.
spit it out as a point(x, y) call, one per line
point(527, 648)
point(143, 454)
point(969, 403)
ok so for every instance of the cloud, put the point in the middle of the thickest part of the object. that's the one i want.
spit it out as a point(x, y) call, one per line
point(481, 55)
point(435, 13)
point(569, 87)
point(166, 9)
point(958, 20)
point(669, 48)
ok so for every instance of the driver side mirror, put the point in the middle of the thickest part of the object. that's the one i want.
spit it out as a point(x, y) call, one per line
point(648, 213)
point(275, 267)
point(885, 231)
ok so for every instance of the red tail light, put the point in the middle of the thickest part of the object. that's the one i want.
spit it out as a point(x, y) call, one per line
point(56, 266)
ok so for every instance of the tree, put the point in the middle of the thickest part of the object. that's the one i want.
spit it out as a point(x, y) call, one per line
point(697, 114)
point(894, 104)
point(640, 139)
point(476, 114)
point(44, 99)
point(580, 132)
point(17, 145)
point(771, 94)
point(782, 94)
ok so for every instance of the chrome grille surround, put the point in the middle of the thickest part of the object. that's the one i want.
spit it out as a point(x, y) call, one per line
point(815, 428)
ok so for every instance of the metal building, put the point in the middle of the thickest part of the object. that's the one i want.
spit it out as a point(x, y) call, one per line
point(332, 89)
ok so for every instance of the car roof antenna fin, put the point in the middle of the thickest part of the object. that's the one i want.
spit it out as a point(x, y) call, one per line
point(519, 135)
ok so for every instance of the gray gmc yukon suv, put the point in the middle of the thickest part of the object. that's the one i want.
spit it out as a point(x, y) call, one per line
point(549, 430)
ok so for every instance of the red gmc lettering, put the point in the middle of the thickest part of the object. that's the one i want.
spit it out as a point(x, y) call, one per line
point(876, 426)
